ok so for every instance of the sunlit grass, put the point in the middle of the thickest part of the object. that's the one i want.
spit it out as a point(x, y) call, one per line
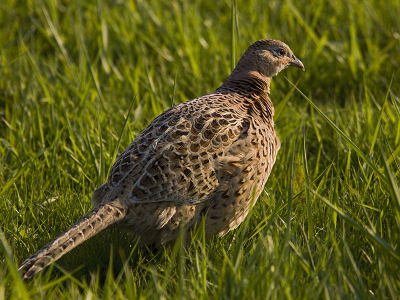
point(78, 82)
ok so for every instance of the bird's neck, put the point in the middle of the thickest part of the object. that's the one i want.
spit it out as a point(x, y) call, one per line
point(245, 82)
point(253, 86)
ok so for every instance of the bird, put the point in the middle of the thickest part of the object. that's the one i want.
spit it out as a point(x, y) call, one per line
point(204, 159)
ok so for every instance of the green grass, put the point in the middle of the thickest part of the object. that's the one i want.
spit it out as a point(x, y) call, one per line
point(327, 225)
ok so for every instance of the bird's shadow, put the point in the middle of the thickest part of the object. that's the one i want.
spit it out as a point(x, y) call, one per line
point(109, 251)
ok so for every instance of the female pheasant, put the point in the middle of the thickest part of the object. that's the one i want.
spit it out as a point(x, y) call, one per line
point(204, 158)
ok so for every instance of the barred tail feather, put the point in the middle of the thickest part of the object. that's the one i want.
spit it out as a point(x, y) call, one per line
point(101, 217)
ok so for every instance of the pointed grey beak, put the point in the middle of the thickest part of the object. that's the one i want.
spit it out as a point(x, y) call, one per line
point(297, 63)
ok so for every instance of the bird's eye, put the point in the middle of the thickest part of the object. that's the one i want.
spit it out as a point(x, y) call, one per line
point(281, 52)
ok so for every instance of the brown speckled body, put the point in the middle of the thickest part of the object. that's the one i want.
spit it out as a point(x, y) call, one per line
point(209, 157)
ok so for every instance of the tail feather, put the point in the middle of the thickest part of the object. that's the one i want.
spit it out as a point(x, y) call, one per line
point(101, 217)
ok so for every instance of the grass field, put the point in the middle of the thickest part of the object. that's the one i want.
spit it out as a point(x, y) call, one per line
point(327, 225)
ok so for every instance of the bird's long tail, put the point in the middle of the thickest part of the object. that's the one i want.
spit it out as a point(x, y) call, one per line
point(101, 217)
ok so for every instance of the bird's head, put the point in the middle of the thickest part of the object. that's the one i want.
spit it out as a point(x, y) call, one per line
point(266, 58)
point(262, 60)
point(269, 57)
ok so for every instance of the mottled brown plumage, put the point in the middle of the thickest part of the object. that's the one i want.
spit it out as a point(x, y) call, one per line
point(205, 158)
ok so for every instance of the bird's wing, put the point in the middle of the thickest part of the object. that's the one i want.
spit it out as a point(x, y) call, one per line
point(176, 156)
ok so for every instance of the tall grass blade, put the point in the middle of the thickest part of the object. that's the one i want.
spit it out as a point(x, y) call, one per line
point(393, 189)
point(233, 33)
point(310, 231)
point(12, 267)
point(122, 133)
point(378, 123)
point(279, 108)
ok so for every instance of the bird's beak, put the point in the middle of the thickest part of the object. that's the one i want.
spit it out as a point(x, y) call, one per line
point(295, 62)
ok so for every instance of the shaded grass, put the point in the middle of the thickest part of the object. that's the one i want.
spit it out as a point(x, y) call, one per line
point(327, 225)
